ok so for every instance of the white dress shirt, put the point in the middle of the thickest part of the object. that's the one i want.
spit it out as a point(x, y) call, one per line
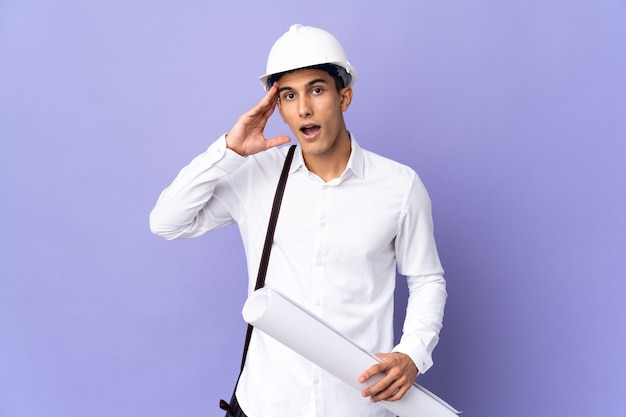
point(336, 250)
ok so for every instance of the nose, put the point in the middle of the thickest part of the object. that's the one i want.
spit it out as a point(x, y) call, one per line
point(304, 107)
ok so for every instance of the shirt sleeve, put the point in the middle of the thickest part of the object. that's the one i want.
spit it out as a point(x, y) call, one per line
point(191, 205)
point(418, 260)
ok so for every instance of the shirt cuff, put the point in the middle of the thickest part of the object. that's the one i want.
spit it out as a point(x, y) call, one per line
point(219, 155)
point(216, 156)
point(417, 352)
point(215, 162)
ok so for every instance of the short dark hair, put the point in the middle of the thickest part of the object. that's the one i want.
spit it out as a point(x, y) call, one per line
point(336, 72)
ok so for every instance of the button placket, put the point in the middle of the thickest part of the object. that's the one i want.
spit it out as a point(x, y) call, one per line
point(321, 247)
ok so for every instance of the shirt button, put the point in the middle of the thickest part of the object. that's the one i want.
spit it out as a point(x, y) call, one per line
point(319, 262)
point(322, 223)
point(316, 381)
point(318, 302)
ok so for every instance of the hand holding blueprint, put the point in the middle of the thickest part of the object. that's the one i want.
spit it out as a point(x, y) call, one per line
point(309, 336)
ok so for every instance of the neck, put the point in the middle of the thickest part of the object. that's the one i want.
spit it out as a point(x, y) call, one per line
point(331, 163)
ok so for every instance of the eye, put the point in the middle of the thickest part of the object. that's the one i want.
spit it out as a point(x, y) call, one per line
point(288, 96)
point(317, 90)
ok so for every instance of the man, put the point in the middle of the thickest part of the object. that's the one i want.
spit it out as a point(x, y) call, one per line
point(349, 219)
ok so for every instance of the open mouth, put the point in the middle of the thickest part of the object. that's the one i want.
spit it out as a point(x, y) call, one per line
point(309, 131)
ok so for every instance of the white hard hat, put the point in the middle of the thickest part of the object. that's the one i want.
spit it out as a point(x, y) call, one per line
point(307, 46)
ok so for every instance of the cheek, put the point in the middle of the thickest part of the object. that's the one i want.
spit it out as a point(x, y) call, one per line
point(290, 118)
point(290, 114)
point(285, 113)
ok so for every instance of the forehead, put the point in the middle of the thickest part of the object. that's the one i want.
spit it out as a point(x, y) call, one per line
point(303, 77)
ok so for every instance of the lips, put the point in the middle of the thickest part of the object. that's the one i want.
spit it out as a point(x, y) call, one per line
point(309, 130)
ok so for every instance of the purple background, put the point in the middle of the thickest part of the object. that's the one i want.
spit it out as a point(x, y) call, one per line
point(513, 113)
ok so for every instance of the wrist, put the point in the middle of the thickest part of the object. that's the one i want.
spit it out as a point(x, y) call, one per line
point(228, 146)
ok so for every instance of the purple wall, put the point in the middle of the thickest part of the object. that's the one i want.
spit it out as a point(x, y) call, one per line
point(514, 114)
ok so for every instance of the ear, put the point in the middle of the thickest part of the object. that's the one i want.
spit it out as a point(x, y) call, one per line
point(346, 98)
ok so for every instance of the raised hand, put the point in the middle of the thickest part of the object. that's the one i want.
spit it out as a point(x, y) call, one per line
point(246, 136)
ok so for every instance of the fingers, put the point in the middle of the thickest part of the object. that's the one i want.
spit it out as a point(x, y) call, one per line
point(255, 145)
point(393, 392)
point(246, 136)
point(267, 104)
point(399, 374)
point(371, 371)
point(383, 389)
point(276, 141)
point(257, 116)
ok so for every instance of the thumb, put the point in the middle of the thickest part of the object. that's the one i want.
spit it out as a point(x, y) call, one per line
point(276, 141)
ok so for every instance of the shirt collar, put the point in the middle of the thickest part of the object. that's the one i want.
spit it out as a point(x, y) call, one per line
point(354, 166)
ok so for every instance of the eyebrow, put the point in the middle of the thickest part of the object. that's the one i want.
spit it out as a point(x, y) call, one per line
point(309, 84)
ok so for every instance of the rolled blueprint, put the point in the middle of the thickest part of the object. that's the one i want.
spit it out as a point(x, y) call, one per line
point(309, 336)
